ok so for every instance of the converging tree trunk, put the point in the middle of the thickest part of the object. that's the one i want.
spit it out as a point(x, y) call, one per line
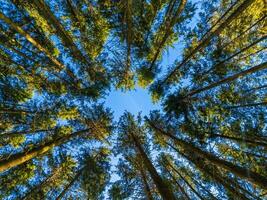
point(28, 154)
point(68, 186)
point(247, 174)
point(251, 70)
point(162, 187)
point(208, 36)
point(146, 185)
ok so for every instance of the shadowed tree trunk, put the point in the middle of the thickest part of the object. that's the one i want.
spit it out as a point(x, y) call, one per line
point(220, 64)
point(66, 38)
point(187, 183)
point(248, 105)
point(19, 158)
point(31, 40)
point(65, 190)
point(38, 188)
point(162, 187)
point(247, 174)
point(208, 36)
point(251, 70)
point(146, 185)
point(213, 172)
point(167, 32)
point(254, 141)
point(181, 188)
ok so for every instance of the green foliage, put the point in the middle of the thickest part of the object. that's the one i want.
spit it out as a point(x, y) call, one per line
point(60, 59)
point(145, 77)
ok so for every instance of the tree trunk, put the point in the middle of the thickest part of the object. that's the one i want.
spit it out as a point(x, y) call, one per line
point(229, 79)
point(247, 105)
point(31, 40)
point(205, 41)
point(181, 188)
point(220, 64)
point(247, 174)
point(76, 177)
point(187, 183)
point(66, 38)
point(36, 189)
point(243, 32)
point(19, 158)
point(146, 185)
point(239, 140)
point(168, 28)
point(15, 111)
point(19, 133)
point(162, 187)
point(213, 172)
point(201, 186)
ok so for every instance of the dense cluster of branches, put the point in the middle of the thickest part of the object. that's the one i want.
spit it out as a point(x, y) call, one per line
point(59, 58)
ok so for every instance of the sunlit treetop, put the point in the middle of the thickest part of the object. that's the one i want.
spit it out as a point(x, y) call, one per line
point(202, 62)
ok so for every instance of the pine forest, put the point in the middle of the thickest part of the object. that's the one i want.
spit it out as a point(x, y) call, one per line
point(201, 136)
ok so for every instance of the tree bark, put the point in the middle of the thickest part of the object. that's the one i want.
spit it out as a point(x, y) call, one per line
point(146, 185)
point(19, 158)
point(187, 183)
point(229, 79)
point(76, 177)
point(169, 26)
point(19, 133)
point(66, 38)
point(162, 187)
point(31, 40)
point(247, 174)
point(220, 64)
point(213, 172)
point(36, 189)
point(205, 41)
point(179, 186)
point(240, 140)
point(247, 105)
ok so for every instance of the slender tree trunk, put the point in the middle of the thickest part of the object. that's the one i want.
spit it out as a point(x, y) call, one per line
point(73, 11)
point(45, 11)
point(205, 41)
point(162, 187)
point(202, 187)
point(247, 105)
point(181, 188)
point(245, 31)
point(19, 158)
point(239, 140)
point(213, 172)
point(128, 33)
point(187, 183)
point(220, 64)
point(146, 185)
point(229, 79)
point(220, 19)
point(255, 89)
point(19, 133)
point(167, 32)
point(76, 177)
point(247, 174)
point(38, 188)
point(31, 40)
point(9, 60)
point(15, 111)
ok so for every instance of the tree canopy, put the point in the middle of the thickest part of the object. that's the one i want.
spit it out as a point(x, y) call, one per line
point(60, 59)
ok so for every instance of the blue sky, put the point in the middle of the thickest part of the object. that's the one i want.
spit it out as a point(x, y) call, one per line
point(133, 101)
point(138, 100)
